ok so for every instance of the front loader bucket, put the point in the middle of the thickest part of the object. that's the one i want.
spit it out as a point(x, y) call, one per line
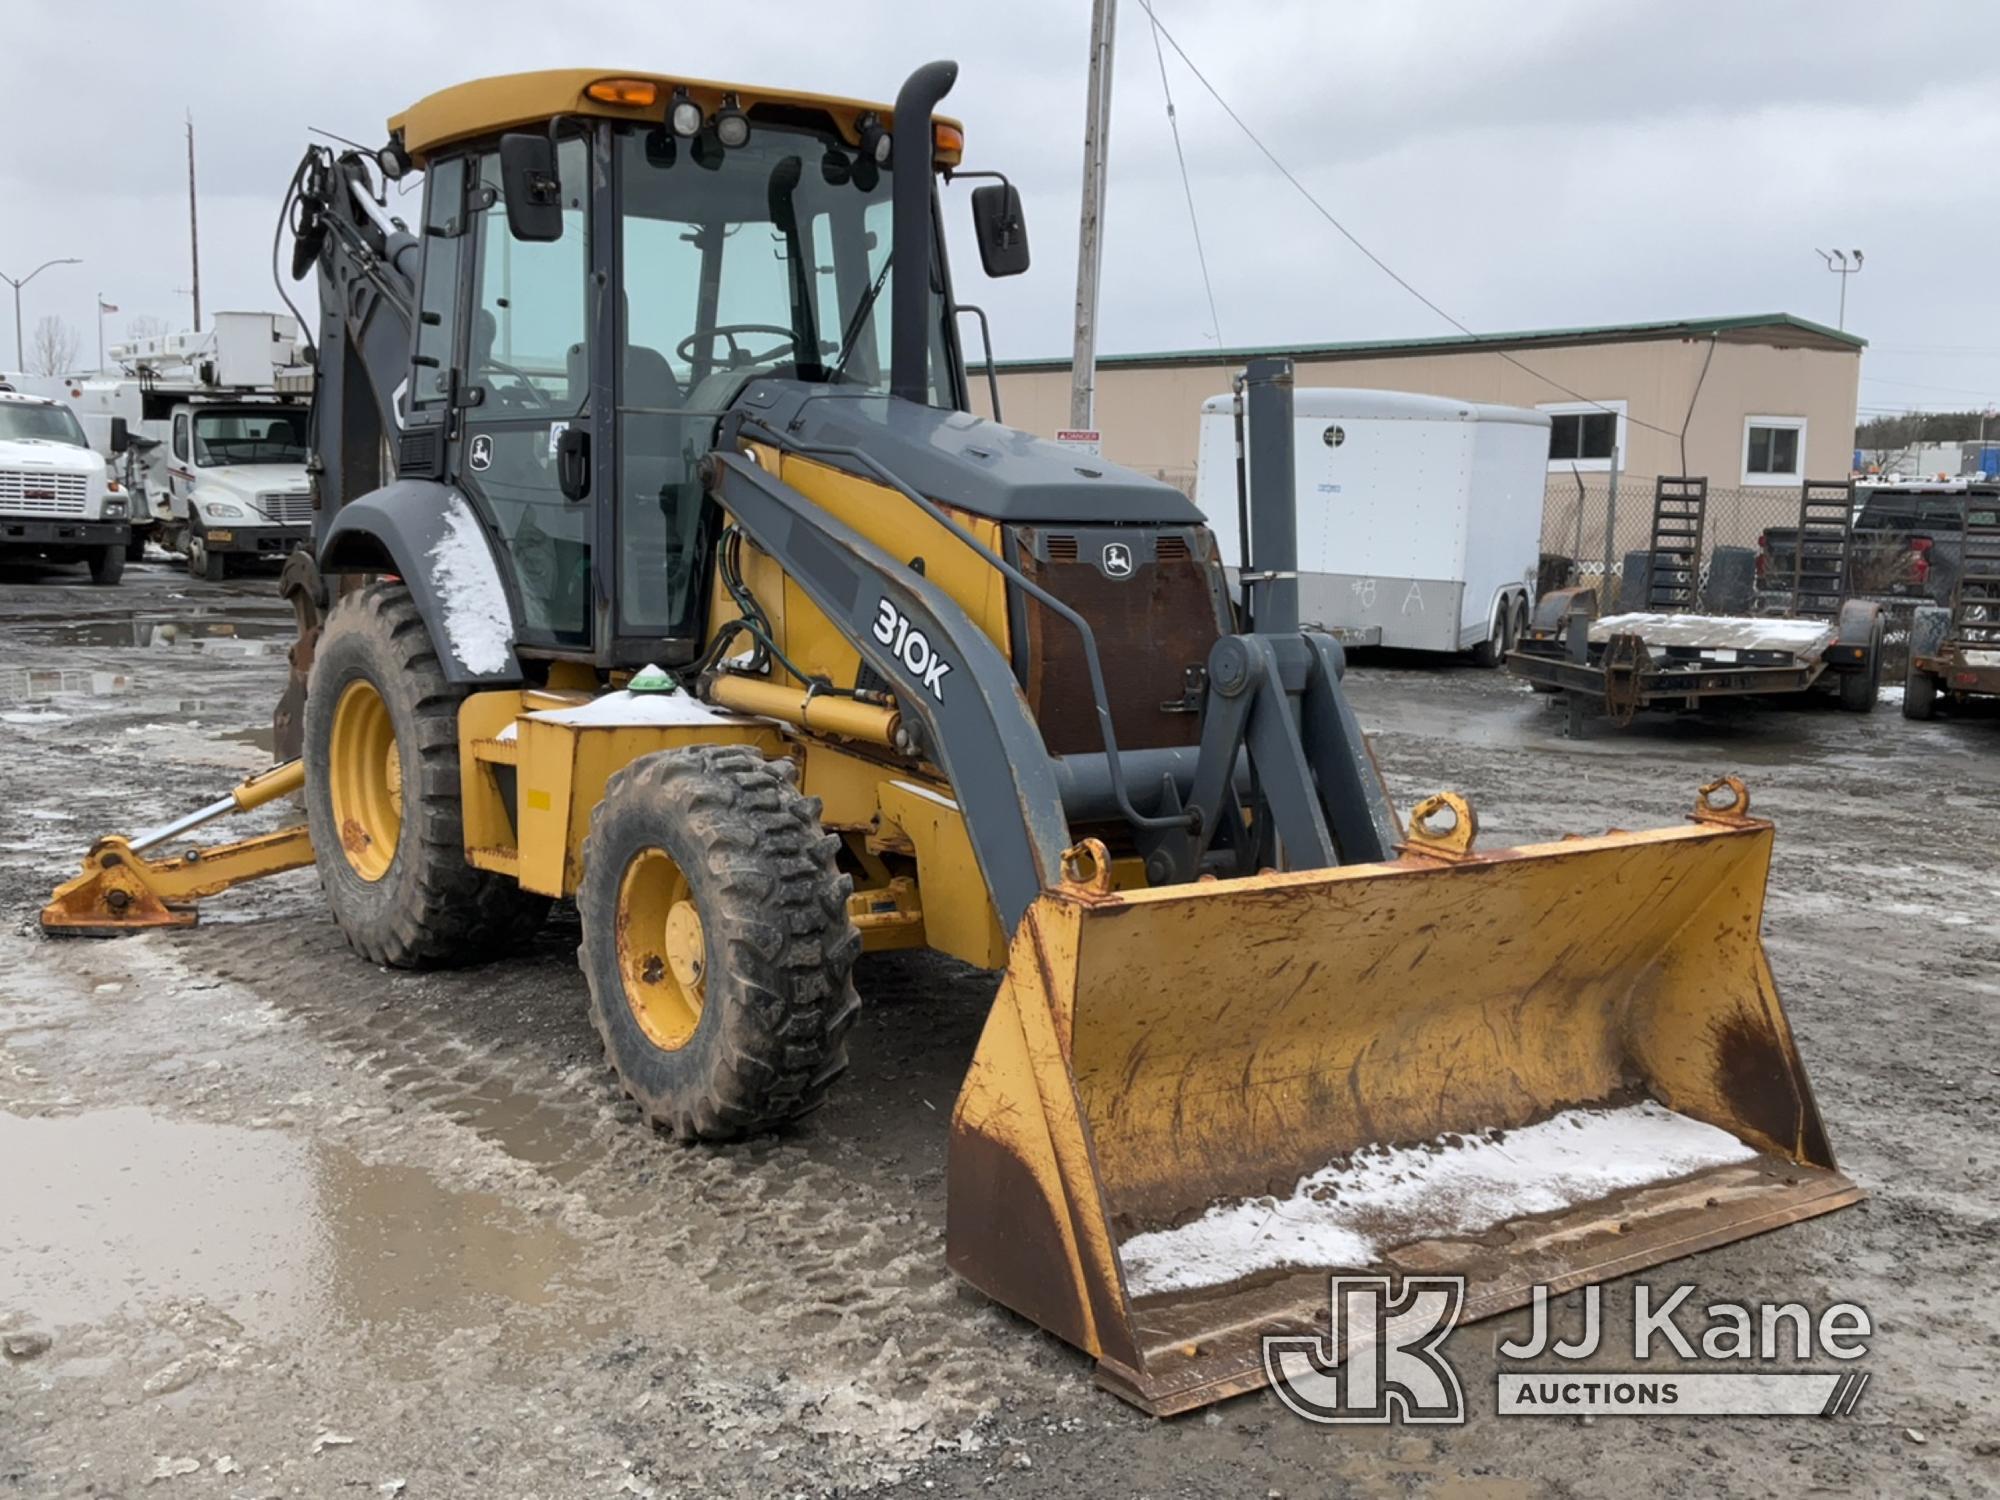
point(1548, 1065)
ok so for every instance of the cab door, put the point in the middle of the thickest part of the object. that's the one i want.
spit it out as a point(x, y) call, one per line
point(527, 382)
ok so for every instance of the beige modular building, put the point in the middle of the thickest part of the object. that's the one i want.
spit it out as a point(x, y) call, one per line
point(1753, 404)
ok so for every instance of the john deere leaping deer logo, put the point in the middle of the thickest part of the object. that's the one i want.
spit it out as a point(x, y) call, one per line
point(1117, 560)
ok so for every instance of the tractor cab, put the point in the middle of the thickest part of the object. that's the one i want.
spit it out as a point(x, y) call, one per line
point(598, 286)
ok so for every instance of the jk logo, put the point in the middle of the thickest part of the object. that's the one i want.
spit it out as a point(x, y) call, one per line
point(1384, 1362)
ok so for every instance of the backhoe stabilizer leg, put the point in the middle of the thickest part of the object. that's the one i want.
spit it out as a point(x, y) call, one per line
point(121, 889)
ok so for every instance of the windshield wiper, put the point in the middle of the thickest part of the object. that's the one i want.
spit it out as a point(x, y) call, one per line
point(860, 319)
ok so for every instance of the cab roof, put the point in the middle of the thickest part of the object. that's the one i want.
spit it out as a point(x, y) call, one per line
point(510, 101)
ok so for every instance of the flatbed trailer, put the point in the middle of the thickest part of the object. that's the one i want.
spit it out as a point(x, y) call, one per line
point(1620, 664)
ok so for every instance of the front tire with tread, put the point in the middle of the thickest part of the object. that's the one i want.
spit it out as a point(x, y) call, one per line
point(429, 908)
point(778, 989)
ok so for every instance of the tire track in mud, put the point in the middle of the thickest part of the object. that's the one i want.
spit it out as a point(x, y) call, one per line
point(811, 1237)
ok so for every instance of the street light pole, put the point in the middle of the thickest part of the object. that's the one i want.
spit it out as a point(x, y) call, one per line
point(20, 356)
point(1837, 262)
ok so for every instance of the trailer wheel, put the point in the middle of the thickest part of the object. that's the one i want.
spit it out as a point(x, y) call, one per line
point(716, 941)
point(107, 564)
point(1859, 690)
point(1493, 650)
point(1919, 695)
point(382, 796)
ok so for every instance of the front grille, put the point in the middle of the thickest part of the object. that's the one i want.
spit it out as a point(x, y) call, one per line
point(1154, 622)
point(36, 493)
point(287, 509)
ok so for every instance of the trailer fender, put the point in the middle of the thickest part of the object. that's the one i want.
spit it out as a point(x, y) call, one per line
point(1857, 640)
point(429, 536)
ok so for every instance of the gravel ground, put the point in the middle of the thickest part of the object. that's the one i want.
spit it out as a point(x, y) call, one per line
point(295, 1225)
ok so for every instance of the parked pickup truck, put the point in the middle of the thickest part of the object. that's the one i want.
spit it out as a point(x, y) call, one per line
point(1906, 544)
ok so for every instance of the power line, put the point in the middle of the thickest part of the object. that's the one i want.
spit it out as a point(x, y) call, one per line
point(1380, 264)
point(1187, 187)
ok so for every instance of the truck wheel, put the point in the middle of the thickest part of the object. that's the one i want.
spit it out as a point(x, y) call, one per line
point(1493, 650)
point(382, 795)
point(135, 549)
point(202, 563)
point(1919, 695)
point(107, 564)
point(716, 941)
point(1859, 690)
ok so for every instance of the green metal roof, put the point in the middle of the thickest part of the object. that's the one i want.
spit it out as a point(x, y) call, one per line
point(1803, 330)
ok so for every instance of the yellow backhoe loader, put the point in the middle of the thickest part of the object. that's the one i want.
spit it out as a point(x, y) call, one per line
point(660, 564)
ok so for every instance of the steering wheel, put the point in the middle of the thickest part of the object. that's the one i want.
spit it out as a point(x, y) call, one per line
point(738, 356)
point(527, 393)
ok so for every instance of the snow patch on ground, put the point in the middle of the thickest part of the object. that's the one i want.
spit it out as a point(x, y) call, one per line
point(477, 620)
point(1346, 1214)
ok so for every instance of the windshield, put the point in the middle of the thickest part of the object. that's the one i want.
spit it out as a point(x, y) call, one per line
point(770, 258)
point(39, 422)
point(260, 436)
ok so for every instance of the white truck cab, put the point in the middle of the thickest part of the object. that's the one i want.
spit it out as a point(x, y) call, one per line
point(234, 482)
point(57, 499)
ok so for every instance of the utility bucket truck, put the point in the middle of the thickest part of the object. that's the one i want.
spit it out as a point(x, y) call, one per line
point(216, 439)
point(700, 597)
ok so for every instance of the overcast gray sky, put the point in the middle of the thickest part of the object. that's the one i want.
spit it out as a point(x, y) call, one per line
point(1525, 164)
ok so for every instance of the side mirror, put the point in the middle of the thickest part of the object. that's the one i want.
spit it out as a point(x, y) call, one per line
point(529, 182)
point(573, 462)
point(1001, 230)
point(121, 435)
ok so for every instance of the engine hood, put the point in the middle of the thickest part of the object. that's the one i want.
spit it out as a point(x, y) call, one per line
point(967, 462)
point(57, 458)
point(241, 484)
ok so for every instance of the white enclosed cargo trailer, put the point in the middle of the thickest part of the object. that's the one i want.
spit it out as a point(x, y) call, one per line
point(1420, 517)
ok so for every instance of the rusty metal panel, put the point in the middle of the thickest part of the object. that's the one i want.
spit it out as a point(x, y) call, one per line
point(1155, 623)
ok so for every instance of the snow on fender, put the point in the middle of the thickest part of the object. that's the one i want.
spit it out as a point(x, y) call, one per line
point(477, 622)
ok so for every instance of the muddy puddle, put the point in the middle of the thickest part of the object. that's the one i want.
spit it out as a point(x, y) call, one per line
point(110, 1214)
point(237, 634)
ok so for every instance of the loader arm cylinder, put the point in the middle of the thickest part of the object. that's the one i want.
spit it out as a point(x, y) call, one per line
point(948, 674)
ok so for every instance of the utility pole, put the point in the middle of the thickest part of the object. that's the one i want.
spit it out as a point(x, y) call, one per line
point(194, 227)
point(1838, 263)
point(1090, 232)
point(20, 345)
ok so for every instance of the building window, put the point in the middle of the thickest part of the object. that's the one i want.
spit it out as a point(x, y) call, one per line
point(1585, 434)
point(1774, 450)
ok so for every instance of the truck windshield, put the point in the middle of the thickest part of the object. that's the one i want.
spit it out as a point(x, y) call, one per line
point(260, 436)
point(773, 257)
point(39, 422)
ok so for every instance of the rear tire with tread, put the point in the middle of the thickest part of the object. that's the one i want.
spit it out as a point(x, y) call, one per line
point(107, 564)
point(430, 908)
point(1920, 691)
point(780, 948)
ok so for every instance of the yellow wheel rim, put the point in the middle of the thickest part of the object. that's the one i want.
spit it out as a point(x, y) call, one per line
point(662, 956)
point(366, 781)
